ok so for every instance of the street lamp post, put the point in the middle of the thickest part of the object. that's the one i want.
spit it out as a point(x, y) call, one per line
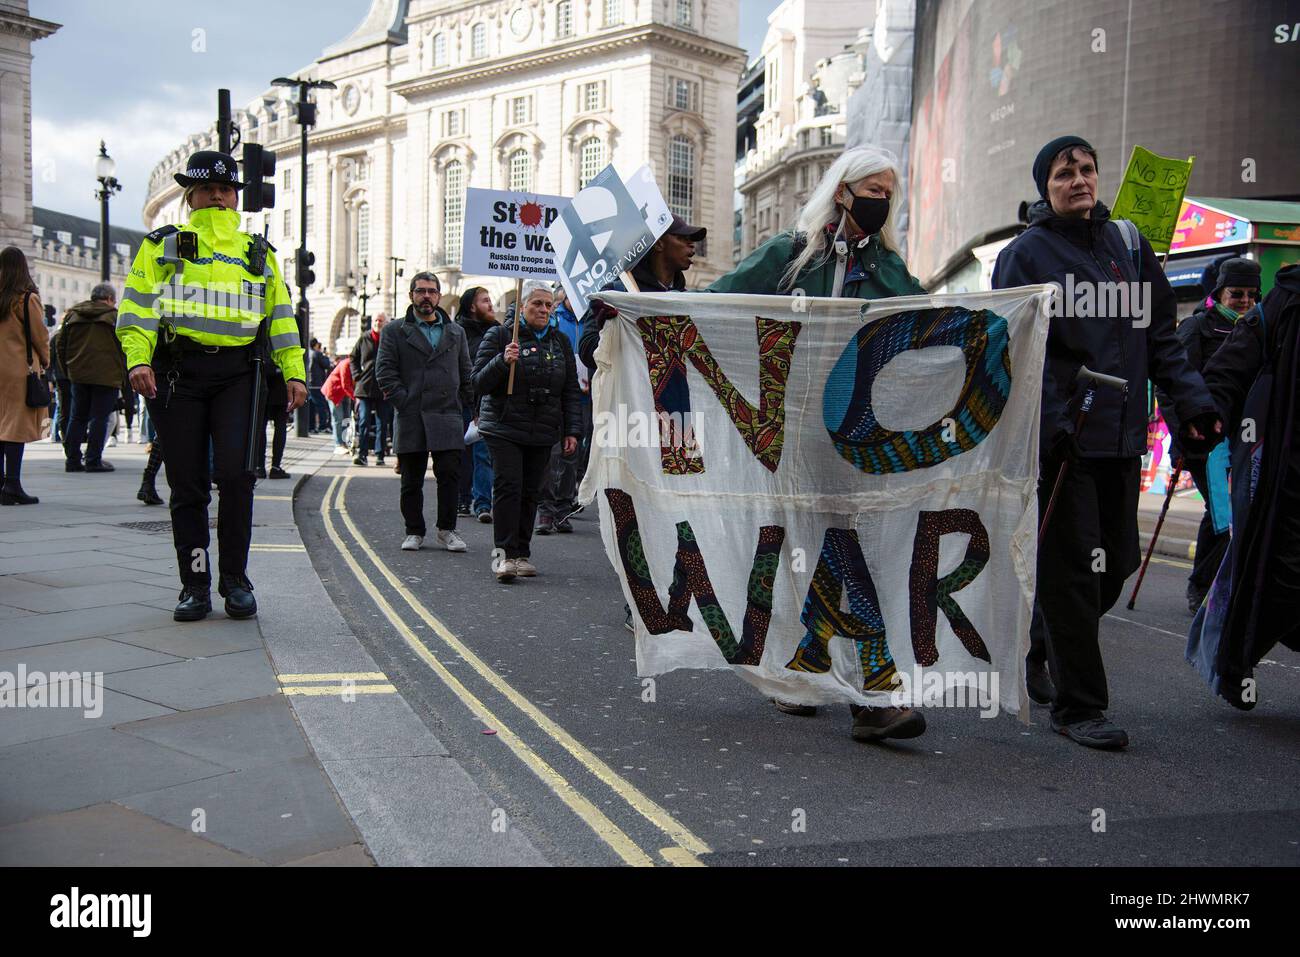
point(397, 272)
point(306, 111)
point(108, 185)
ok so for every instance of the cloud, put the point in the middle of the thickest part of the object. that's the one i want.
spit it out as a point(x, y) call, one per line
point(63, 156)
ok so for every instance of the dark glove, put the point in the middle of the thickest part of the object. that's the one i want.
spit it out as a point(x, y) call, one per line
point(602, 312)
point(1210, 426)
point(1063, 447)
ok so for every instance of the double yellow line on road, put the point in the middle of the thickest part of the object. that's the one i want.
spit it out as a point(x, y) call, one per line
point(686, 846)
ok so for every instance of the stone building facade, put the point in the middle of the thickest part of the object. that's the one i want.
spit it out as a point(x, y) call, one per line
point(436, 95)
point(810, 73)
point(18, 31)
point(63, 253)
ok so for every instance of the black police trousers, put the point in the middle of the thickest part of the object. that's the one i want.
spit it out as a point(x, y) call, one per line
point(1089, 548)
point(209, 402)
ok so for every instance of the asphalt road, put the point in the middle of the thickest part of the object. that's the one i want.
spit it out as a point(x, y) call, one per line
point(709, 772)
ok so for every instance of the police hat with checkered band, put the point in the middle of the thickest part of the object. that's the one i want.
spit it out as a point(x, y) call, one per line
point(210, 166)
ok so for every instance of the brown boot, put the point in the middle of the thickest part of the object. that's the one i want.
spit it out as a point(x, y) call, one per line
point(876, 724)
point(791, 707)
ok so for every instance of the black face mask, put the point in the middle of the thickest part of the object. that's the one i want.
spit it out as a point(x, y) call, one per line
point(870, 213)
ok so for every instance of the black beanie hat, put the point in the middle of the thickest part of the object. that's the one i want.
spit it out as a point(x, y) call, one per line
point(1043, 162)
point(1210, 274)
point(1237, 272)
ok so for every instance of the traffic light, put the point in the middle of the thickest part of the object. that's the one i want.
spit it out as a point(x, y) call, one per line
point(305, 260)
point(259, 166)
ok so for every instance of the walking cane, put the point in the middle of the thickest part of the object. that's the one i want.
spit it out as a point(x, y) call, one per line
point(1151, 546)
point(1093, 379)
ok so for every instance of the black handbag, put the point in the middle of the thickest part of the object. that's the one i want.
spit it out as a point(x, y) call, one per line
point(38, 390)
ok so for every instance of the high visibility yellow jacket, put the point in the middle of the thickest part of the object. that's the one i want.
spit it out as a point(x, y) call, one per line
point(213, 298)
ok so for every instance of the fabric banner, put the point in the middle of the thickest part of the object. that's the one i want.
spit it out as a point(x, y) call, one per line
point(835, 498)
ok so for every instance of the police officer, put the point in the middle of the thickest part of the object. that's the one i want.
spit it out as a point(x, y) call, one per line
point(200, 299)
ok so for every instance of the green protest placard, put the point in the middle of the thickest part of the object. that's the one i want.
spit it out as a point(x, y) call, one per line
point(1151, 195)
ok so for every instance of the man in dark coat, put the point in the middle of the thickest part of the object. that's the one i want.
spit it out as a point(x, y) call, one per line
point(372, 409)
point(1091, 545)
point(1233, 292)
point(91, 357)
point(476, 316)
point(1255, 600)
point(423, 368)
point(318, 370)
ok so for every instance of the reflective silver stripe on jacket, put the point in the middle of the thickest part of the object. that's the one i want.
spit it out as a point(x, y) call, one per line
point(282, 311)
point(243, 329)
point(147, 323)
point(285, 340)
point(226, 302)
point(144, 300)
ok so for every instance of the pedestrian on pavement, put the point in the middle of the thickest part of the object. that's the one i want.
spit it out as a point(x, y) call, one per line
point(520, 426)
point(559, 496)
point(1253, 375)
point(1071, 241)
point(318, 371)
point(423, 369)
point(24, 348)
point(842, 245)
point(476, 316)
point(92, 358)
point(62, 386)
point(1235, 291)
point(372, 412)
point(275, 403)
point(199, 300)
point(338, 392)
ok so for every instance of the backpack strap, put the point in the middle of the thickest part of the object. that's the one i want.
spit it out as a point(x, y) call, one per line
point(1129, 233)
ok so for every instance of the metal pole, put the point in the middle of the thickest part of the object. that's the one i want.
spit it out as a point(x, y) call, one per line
point(103, 231)
point(1151, 545)
point(304, 309)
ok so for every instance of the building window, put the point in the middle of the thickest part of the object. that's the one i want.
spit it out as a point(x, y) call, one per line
point(311, 177)
point(440, 50)
point(681, 176)
point(519, 110)
point(591, 160)
point(288, 178)
point(803, 139)
point(613, 13)
point(563, 19)
point(288, 225)
point(453, 210)
point(803, 177)
point(685, 12)
point(311, 223)
point(683, 94)
point(363, 232)
point(592, 98)
point(478, 41)
point(826, 137)
point(520, 166)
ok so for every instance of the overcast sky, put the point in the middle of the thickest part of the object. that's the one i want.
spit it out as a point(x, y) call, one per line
point(136, 74)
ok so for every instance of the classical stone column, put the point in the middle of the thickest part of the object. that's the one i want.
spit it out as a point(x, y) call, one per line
point(17, 32)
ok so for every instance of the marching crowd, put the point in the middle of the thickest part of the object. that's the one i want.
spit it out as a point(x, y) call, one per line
point(506, 421)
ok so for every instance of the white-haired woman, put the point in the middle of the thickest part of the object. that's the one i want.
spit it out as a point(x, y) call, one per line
point(843, 240)
point(520, 426)
point(842, 245)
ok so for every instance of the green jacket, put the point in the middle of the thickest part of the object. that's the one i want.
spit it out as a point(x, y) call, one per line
point(760, 273)
point(87, 346)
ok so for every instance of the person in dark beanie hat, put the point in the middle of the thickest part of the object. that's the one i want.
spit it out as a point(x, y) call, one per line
point(1070, 241)
point(1043, 161)
point(1233, 291)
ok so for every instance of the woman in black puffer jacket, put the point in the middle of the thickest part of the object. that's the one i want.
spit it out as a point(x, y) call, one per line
point(521, 427)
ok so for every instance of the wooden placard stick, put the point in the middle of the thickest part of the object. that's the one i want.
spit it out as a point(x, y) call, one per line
point(519, 318)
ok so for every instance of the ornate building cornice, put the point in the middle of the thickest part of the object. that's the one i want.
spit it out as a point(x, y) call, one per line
point(25, 27)
point(656, 35)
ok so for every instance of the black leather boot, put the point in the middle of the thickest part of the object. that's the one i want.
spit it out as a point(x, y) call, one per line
point(194, 605)
point(238, 592)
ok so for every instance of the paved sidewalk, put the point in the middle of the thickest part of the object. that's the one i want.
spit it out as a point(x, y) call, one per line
point(218, 742)
point(1178, 534)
